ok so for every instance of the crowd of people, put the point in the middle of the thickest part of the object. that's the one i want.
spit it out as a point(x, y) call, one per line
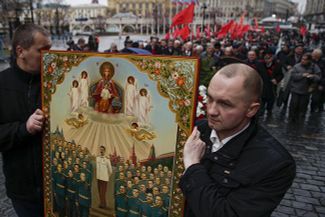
point(291, 65)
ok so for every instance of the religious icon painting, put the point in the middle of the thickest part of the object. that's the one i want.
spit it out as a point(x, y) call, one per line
point(114, 133)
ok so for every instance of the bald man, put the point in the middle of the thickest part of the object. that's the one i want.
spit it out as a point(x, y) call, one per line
point(234, 167)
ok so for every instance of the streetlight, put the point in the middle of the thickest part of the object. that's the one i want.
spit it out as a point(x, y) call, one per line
point(31, 10)
point(204, 7)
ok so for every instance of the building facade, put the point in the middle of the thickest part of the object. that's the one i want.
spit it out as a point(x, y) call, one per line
point(315, 11)
point(281, 8)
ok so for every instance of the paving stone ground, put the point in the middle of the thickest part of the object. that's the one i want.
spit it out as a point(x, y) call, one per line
point(304, 140)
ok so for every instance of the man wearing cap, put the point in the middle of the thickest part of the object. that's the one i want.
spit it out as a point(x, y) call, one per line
point(237, 51)
point(318, 96)
point(295, 58)
point(274, 75)
point(304, 79)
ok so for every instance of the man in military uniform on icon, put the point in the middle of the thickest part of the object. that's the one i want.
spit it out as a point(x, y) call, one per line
point(71, 197)
point(158, 209)
point(155, 192)
point(129, 188)
point(147, 206)
point(84, 196)
point(120, 182)
point(86, 171)
point(121, 202)
point(65, 169)
point(142, 194)
point(76, 172)
point(165, 195)
point(149, 186)
point(134, 204)
point(59, 190)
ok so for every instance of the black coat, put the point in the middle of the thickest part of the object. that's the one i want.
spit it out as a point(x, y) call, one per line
point(247, 177)
point(267, 85)
point(20, 96)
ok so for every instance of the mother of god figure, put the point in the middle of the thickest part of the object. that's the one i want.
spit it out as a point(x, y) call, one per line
point(106, 70)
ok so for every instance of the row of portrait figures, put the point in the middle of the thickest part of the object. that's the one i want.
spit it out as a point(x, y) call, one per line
point(83, 183)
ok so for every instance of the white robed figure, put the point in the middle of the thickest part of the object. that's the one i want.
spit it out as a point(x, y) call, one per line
point(74, 96)
point(84, 89)
point(131, 96)
point(144, 108)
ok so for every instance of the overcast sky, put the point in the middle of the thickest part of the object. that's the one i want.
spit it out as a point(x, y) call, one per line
point(104, 2)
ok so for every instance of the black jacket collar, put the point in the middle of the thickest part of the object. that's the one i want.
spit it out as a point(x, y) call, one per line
point(23, 75)
point(234, 147)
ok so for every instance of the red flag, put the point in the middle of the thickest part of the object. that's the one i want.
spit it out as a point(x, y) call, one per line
point(224, 29)
point(256, 23)
point(243, 30)
point(208, 31)
point(303, 30)
point(234, 30)
point(185, 16)
point(278, 29)
point(262, 29)
point(184, 32)
point(176, 32)
point(167, 36)
point(198, 32)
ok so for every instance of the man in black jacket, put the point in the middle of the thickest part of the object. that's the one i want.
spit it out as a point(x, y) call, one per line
point(234, 167)
point(274, 77)
point(21, 121)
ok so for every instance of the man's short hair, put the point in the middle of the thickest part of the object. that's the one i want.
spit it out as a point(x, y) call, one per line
point(253, 82)
point(308, 56)
point(24, 36)
point(318, 51)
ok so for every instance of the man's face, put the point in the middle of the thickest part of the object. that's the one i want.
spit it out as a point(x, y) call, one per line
point(165, 189)
point(82, 177)
point(158, 201)
point(210, 50)
point(102, 151)
point(31, 57)
point(155, 191)
point(135, 193)
point(228, 107)
point(305, 61)
point(268, 58)
point(149, 198)
point(59, 168)
point(251, 56)
point(316, 56)
point(299, 50)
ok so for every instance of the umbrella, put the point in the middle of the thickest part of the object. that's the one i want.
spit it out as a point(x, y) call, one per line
point(138, 51)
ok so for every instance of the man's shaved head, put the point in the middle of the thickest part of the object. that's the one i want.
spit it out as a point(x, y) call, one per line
point(253, 84)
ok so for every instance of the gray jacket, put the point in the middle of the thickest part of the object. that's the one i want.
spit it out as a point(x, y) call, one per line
point(300, 84)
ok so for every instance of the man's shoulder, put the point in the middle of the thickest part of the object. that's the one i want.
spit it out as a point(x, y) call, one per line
point(6, 77)
point(269, 146)
point(4, 73)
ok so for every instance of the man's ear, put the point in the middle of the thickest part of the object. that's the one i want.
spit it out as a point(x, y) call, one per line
point(19, 51)
point(253, 109)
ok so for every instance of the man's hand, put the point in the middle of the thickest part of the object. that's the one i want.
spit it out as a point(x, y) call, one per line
point(194, 149)
point(274, 81)
point(34, 123)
